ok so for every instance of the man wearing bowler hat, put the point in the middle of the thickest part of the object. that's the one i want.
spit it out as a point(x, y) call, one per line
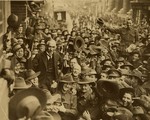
point(48, 63)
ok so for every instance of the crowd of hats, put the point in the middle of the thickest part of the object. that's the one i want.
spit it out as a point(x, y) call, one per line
point(97, 59)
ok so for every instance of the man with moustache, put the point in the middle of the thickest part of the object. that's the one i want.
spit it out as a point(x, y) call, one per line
point(48, 63)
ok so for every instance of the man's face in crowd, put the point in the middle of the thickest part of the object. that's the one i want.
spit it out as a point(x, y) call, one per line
point(127, 68)
point(20, 41)
point(129, 23)
point(17, 68)
point(127, 99)
point(109, 104)
point(51, 47)
point(76, 72)
point(67, 86)
point(73, 62)
point(134, 81)
point(136, 57)
point(35, 81)
point(42, 48)
point(20, 29)
point(73, 34)
point(20, 53)
point(86, 88)
point(46, 31)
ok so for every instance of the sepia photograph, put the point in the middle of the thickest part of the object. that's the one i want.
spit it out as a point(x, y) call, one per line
point(74, 59)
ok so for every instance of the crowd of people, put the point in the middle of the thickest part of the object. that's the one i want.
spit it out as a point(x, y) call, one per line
point(93, 73)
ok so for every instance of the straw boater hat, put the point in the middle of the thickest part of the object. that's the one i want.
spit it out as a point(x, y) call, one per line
point(30, 74)
point(29, 103)
point(21, 84)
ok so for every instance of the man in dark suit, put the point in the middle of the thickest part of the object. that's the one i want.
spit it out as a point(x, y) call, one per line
point(48, 63)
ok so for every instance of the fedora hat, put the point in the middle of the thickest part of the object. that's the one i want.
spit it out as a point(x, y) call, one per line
point(30, 74)
point(142, 101)
point(21, 84)
point(92, 72)
point(6, 64)
point(137, 101)
point(56, 116)
point(16, 47)
point(138, 75)
point(138, 111)
point(122, 91)
point(103, 62)
point(67, 78)
point(13, 21)
point(125, 114)
point(51, 98)
point(120, 59)
point(95, 49)
point(78, 43)
point(106, 66)
point(87, 80)
point(27, 103)
point(126, 73)
point(127, 64)
point(114, 72)
point(108, 88)
point(44, 117)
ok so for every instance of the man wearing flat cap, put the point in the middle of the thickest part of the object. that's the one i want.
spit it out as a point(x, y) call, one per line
point(48, 63)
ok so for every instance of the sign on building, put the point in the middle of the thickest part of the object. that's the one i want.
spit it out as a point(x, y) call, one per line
point(60, 15)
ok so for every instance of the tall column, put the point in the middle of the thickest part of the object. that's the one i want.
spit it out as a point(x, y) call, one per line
point(126, 7)
point(111, 5)
point(118, 6)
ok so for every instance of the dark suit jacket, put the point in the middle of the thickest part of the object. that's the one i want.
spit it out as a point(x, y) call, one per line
point(40, 64)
